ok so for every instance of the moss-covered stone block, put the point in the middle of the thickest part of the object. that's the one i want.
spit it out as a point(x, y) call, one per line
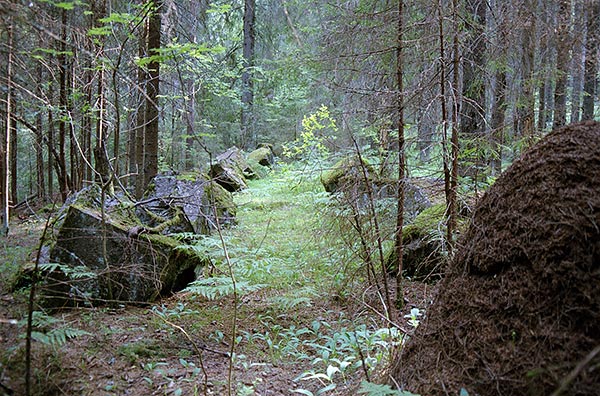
point(191, 196)
point(348, 173)
point(263, 156)
point(119, 264)
point(424, 246)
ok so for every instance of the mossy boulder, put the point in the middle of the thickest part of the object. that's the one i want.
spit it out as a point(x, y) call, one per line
point(231, 170)
point(228, 177)
point(263, 156)
point(348, 174)
point(193, 197)
point(104, 250)
point(108, 259)
point(424, 246)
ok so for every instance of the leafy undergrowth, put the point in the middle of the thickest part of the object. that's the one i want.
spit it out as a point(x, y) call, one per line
point(301, 326)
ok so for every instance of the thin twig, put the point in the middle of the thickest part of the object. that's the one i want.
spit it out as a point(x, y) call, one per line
point(578, 369)
point(235, 300)
point(34, 279)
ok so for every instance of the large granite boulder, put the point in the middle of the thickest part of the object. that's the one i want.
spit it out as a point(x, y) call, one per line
point(108, 259)
point(263, 156)
point(231, 169)
point(193, 196)
point(424, 246)
point(351, 177)
point(108, 249)
point(350, 173)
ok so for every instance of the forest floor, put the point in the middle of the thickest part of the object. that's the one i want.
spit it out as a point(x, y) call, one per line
point(305, 321)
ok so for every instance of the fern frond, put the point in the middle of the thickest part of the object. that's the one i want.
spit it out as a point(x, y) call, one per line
point(288, 303)
point(79, 272)
point(57, 337)
point(219, 286)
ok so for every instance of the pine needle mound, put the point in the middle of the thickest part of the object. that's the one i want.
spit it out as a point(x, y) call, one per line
point(519, 312)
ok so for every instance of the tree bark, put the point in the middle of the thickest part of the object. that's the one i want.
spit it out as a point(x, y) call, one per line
point(6, 143)
point(50, 147)
point(563, 44)
point(401, 162)
point(247, 111)
point(472, 115)
point(63, 176)
point(13, 170)
point(577, 61)
point(592, 52)
point(498, 110)
point(136, 138)
point(101, 166)
point(452, 189)
point(524, 118)
point(152, 92)
point(498, 123)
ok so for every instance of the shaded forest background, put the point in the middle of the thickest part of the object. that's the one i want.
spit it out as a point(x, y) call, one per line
point(116, 91)
point(405, 96)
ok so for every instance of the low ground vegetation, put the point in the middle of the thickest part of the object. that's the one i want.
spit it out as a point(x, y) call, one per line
point(283, 309)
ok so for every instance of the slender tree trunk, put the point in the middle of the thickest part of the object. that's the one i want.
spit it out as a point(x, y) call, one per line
point(6, 143)
point(190, 118)
point(101, 166)
point(247, 111)
point(152, 93)
point(452, 192)
point(577, 61)
point(472, 117)
point(401, 163)
point(75, 160)
point(426, 129)
point(498, 110)
point(592, 52)
point(547, 61)
point(86, 124)
point(39, 141)
point(50, 146)
point(524, 119)
point(13, 170)
point(443, 102)
point(498, 122)
point(139, 134)
point(136, 136)
point(39, 156)
point(63, 98)
point(562, 63)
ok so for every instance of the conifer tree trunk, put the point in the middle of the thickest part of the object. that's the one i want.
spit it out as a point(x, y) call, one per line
point(13, 170)
point(63, 175)
point(562, 63)
point(39, 141)
point(39, 158)
point(524, 119)
point(101, 165)
point(152, 93)
point(247, 113)
point(136, 137)
point(50, 147)
point(6, 141)
point(472, 118)
point(577, 61)
point(592, 52)
point(452, 184)
point(401, 163)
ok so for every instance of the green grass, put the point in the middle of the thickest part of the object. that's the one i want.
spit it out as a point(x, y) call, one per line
point(275, 243)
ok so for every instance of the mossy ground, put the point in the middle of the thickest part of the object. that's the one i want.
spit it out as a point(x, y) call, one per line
point(291, 321)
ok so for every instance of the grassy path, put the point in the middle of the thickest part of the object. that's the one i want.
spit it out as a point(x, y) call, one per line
point(295, 331)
